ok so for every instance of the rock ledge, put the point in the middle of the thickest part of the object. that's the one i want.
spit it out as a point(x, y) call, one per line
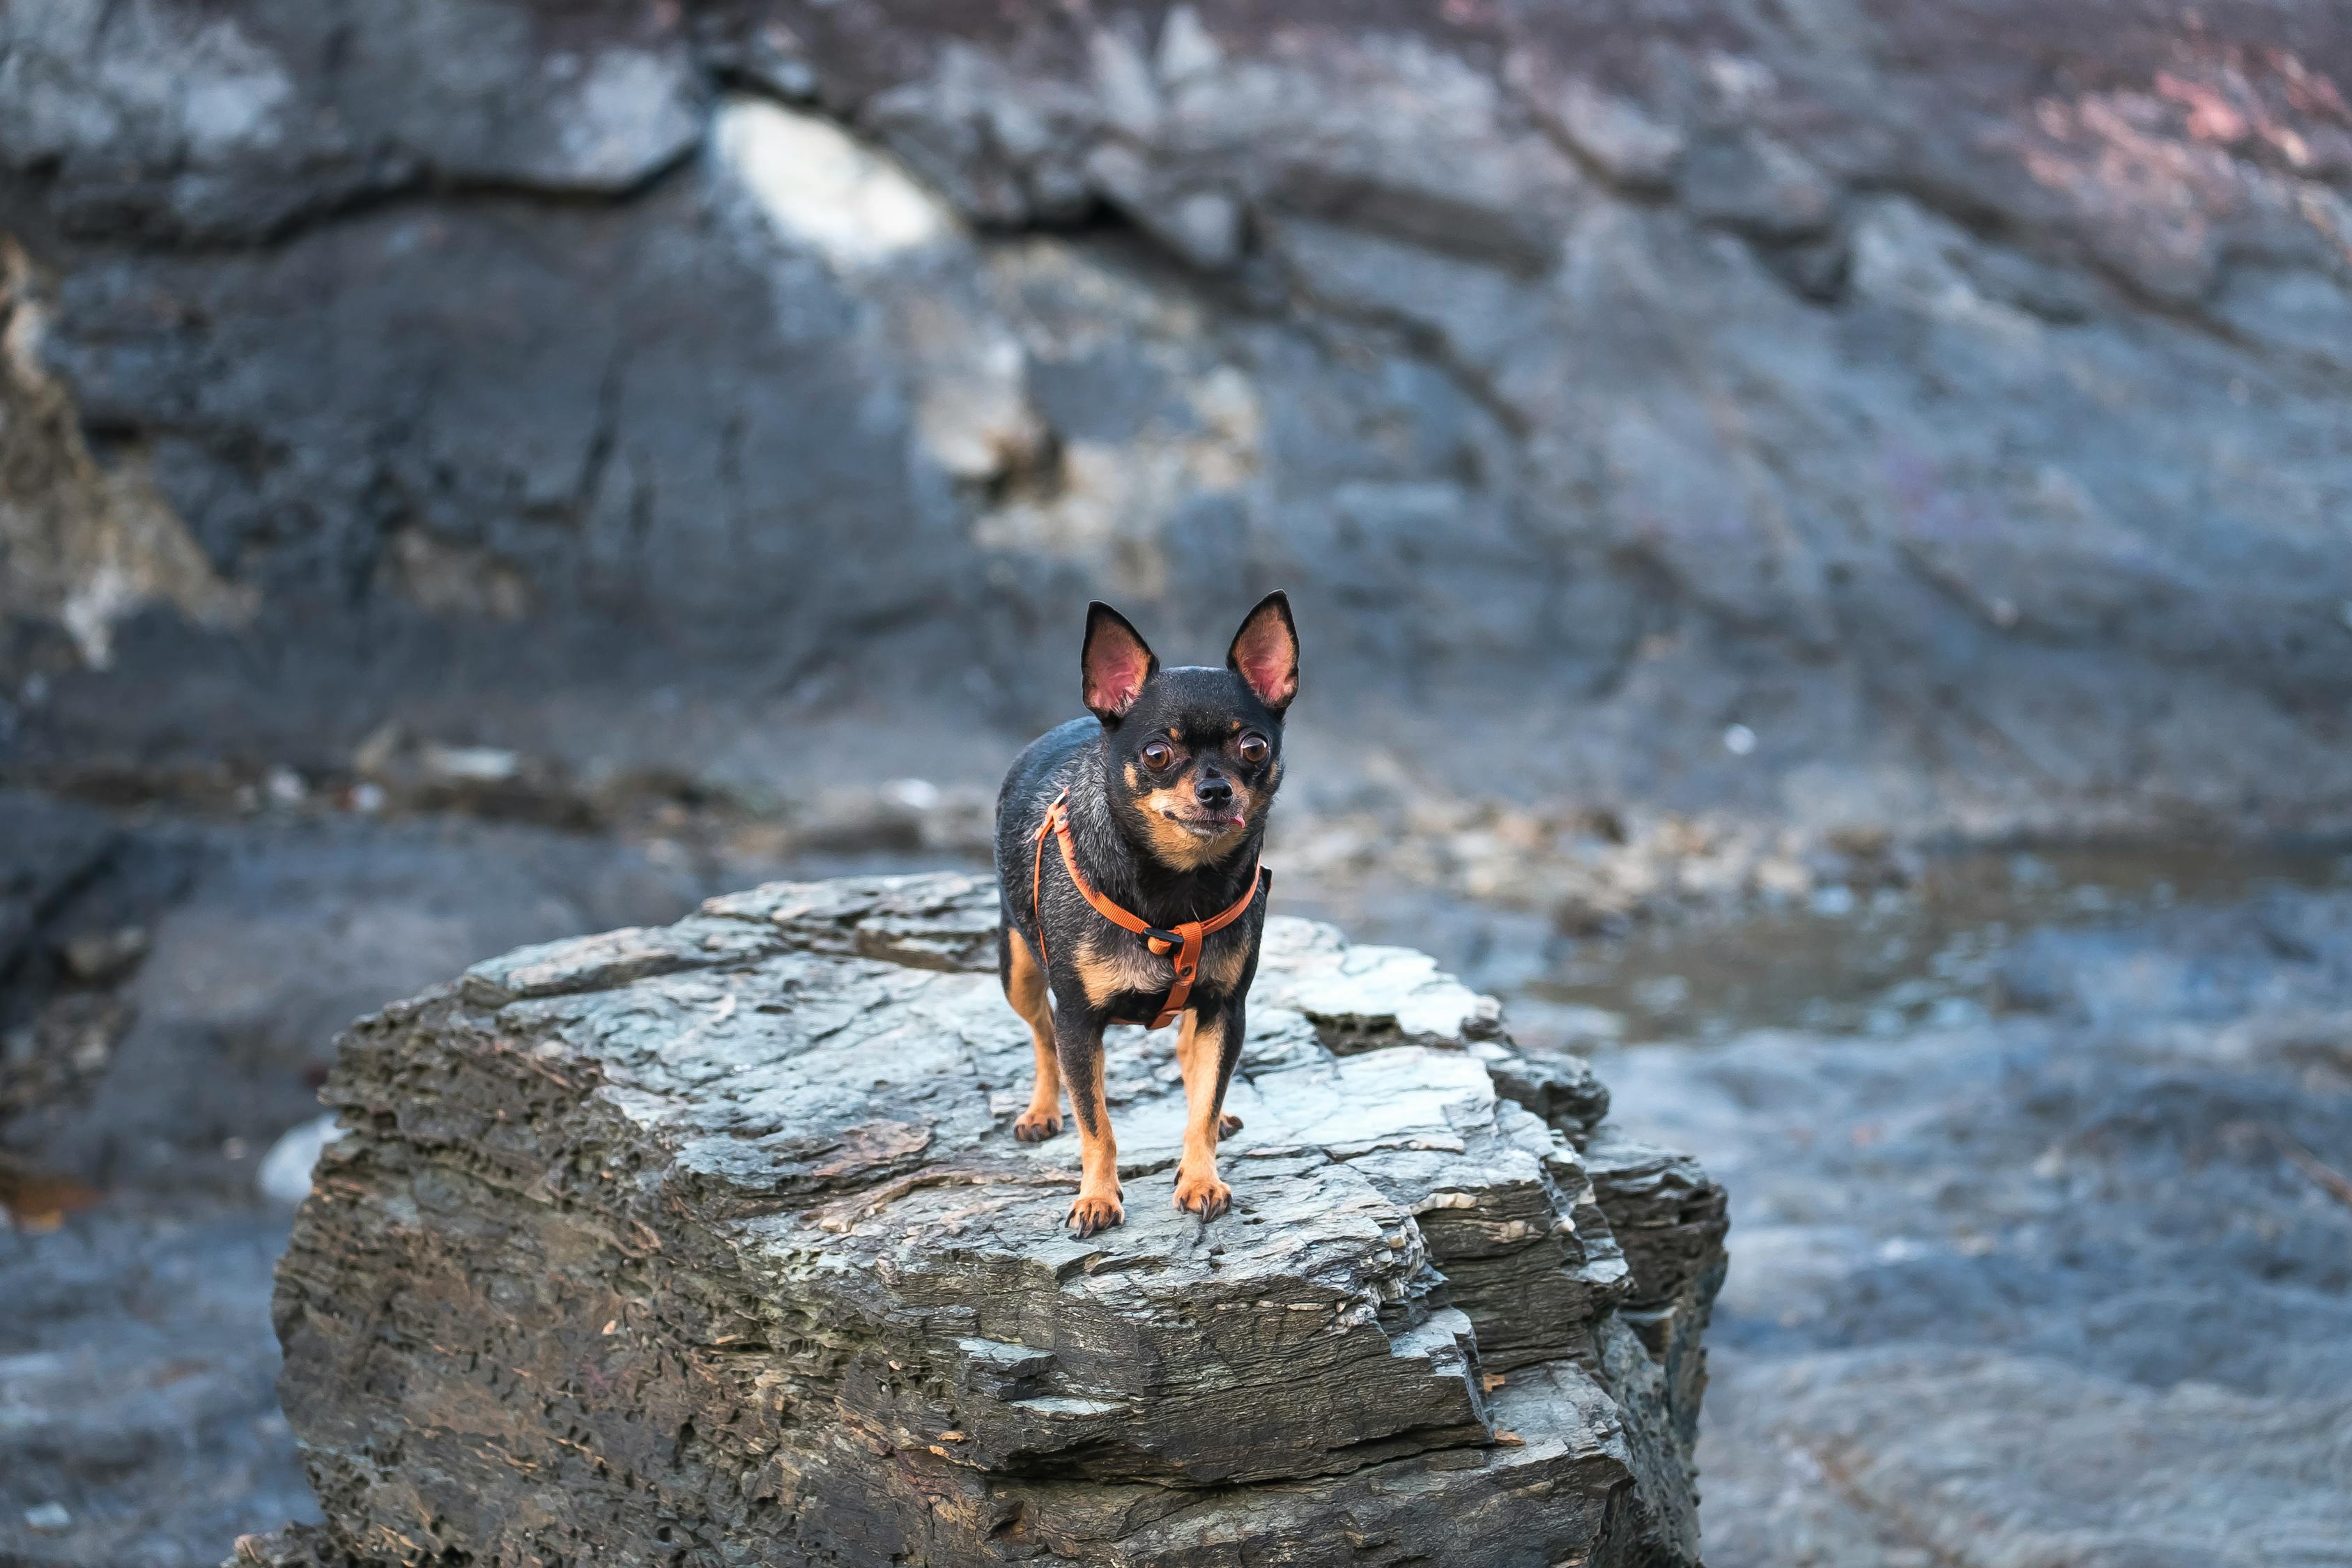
point(710, 1243)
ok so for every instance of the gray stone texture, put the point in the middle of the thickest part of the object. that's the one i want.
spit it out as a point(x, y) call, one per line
point(137, 1366)
point(710, 1242)
point(1947, 390)
point(2071, 1286)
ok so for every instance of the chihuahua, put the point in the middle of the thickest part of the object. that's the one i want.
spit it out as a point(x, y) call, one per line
point(1126, 864)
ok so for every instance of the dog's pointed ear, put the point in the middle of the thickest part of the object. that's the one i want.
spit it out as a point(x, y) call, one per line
point(1116, 663)
point(1266, 651)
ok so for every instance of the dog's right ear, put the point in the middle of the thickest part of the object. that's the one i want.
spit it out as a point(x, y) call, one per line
point(1116, 663)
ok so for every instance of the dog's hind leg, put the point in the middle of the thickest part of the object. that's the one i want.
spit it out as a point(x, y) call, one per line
point(1025, 987)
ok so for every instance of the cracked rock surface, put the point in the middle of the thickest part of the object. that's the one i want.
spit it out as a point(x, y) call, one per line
point(710, 1241)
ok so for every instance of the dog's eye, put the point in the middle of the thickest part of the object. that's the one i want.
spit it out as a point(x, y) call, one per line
point(1253, 748)
point(1158, 755)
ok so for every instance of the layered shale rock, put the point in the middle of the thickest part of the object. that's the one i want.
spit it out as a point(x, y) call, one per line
point(711, 1242)
point(1949, 392)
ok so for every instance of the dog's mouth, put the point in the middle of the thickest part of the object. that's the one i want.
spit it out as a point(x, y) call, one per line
point(1206, 824)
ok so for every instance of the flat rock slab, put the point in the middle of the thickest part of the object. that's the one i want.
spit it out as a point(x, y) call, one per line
point(711, 1242)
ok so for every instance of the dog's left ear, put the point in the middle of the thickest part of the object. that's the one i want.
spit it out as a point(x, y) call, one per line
point(1266, 651)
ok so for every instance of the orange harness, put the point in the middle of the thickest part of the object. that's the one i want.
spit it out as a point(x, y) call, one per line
point(1183, 940)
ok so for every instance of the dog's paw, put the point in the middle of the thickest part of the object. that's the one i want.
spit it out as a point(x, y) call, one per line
point(1228, 1124)
point(1204, 1196)
point(1090, 1214)
point(1036, 1126)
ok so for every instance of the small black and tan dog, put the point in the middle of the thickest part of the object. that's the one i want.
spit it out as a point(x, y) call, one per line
point(1127, 862)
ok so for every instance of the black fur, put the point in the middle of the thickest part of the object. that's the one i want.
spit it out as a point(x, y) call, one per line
point(1111, 836)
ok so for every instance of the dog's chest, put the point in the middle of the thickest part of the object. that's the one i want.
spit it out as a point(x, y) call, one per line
point(1118, 967)
point(1122, 976)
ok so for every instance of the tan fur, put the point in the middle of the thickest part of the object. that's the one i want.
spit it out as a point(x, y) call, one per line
point(1123, 965)
point(1221, 966)
point(1097, 1207)
point(1198, 1049)
point(1025, 989)
point(1180, 848)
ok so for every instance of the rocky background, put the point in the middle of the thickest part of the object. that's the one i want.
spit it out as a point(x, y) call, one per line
point(473, 472)
point(1949, 392)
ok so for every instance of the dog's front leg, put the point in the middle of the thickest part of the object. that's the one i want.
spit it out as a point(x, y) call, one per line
point(1206, 1049)
point(1079, 1043)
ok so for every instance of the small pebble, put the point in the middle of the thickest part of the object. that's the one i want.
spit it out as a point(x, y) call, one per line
point(100, 958)
point(471, 765)
point(284, 1175)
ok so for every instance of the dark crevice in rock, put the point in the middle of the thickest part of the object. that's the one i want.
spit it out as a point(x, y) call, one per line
point(1097, 216)
point(429, 191)
point(1418, 339)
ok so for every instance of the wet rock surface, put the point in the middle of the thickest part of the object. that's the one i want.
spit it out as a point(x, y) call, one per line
point(712, 1239)
point(2070, 1285)
point(138, 1400)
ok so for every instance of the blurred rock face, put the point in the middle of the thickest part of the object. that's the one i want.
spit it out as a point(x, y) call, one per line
point(1943, 396)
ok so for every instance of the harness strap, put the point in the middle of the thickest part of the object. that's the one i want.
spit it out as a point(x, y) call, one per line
point(1183, 940)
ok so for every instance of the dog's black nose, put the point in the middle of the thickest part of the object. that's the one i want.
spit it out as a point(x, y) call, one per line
point(1213, 792)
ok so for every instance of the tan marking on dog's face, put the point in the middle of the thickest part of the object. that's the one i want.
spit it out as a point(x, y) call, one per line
point(1107, 970)
point(1175, 847)
point(1179, 848)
